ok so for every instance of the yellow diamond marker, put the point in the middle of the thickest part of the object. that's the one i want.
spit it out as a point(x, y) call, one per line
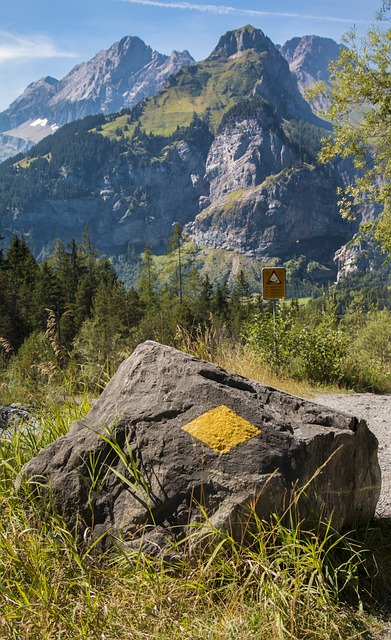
point(221, 429)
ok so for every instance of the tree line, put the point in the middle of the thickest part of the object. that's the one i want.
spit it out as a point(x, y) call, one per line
point(74, 307)
point(71, 319)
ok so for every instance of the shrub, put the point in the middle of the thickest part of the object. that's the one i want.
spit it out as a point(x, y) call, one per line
point(34, 366)
point(320, 354)
point(367, 366)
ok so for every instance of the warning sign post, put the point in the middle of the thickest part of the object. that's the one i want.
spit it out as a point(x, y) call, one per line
point(274, 283)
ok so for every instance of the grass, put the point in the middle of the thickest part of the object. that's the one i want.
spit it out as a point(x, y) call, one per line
point(25, 163)
point(281, 582)
point(213, 344)
point(211, 87)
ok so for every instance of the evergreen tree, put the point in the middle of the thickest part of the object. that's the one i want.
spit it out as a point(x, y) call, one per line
point(147, 280)
point(20, 272)
point(202, 303)
point(175, 244)
point(240, 302)
point(104, 335)
point(220, 303)
point(47, 295)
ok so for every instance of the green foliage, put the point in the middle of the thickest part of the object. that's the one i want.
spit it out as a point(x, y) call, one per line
point(305, 138)
point(253, 106)
point(197, 133)
point(53, 168)
point(322, 351)
point(18, 276)
point(76, 321)
point(34, 366)
point(363, 292)
point(368, 363)
point(359, 110)
point(313, 343)
point(273, 335)
point(281, 581)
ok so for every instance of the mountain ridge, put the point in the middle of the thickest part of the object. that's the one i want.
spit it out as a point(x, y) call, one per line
point(113, 79)
point(227, 148)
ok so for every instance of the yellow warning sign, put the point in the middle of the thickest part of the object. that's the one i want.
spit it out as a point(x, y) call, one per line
point(274, 283)
point(221, 429)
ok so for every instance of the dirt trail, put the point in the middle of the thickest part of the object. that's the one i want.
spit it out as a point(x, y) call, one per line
point(376, 410)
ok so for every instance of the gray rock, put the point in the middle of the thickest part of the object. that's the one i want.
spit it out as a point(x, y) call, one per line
point(15, 416)
point(309, 60)
point(113, 79)
point(298, 212)
point(168, 457)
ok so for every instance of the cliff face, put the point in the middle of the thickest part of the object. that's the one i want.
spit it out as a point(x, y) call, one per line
point(292, 213)
point(263, 199)
point(309, 58)
point(129, 207)
point(245, 152)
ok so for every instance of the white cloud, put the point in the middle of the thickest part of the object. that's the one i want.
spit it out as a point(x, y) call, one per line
point(227, 10)
point(17, 47)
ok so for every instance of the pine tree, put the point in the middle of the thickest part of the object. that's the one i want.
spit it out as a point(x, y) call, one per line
point(240, 302)
point(47, 295)
point(220, 303)
point(20, 275)
point(175, 244)
point(202, 303)
point(147, 280)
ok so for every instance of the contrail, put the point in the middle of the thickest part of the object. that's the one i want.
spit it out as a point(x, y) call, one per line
point(226, 10)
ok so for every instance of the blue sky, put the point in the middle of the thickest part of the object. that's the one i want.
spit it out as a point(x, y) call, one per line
point(49, 37)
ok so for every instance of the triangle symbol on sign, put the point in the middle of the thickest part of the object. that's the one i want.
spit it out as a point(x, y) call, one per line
point(274, 279)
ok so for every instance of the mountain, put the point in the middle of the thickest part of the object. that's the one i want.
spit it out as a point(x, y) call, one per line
point(227, 148)
point(309, 58)
point(113, 79)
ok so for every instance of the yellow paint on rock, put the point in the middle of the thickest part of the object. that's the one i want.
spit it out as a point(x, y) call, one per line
point(221, 429)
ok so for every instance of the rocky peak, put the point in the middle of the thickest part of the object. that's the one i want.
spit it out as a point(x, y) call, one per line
point(234, 42)
point(108, 67)
point(309, 58)
point(113, 79)
point(28, 103)
point(182, 58)
point(312, 54)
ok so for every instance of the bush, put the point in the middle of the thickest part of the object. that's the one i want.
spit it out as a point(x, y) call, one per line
point(273, 338)
point(309, 343)
point(320, 354)
point(367, 366)
point(299, 347)
point(34, 366)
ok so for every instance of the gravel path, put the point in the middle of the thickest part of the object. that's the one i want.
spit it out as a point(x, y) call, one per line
point(376, 410)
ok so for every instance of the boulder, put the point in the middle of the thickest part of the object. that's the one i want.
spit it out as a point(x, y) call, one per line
point(173, 438)
point(14, 415)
